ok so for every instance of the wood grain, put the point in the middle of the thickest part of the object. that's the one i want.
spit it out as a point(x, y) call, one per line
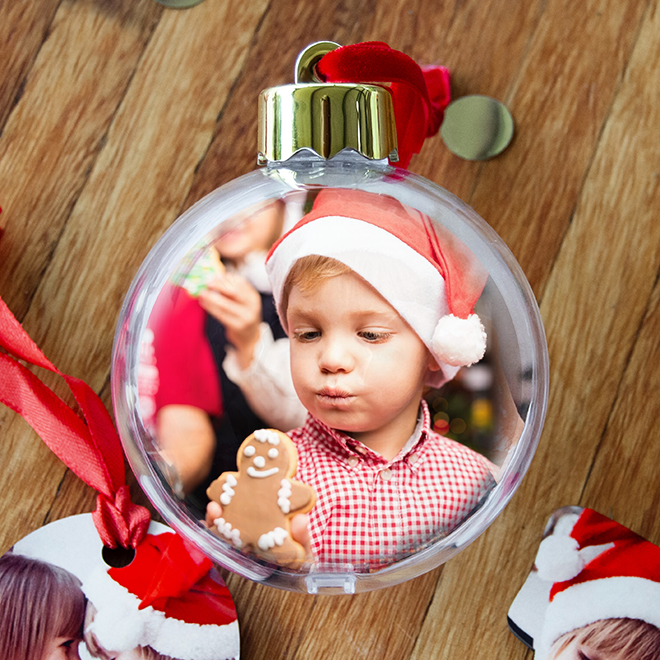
point(502, 33)
point(116, 115)
point(135, 189)
point(107, 216)
point(626, 170)
point(22, 31)
point(592, 324)
point(560, 100)
point(55, 132)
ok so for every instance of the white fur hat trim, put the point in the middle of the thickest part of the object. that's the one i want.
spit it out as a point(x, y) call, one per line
point(120, 626)
point(406, 279)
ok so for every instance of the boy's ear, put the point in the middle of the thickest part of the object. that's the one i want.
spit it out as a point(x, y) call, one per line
point(433, 365)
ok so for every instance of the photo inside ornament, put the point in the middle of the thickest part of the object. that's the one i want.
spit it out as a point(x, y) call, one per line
point(66, 597)
point(335, 388)
point(593, 592)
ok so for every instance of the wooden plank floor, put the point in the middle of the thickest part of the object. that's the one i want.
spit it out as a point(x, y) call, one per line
point(117, 115)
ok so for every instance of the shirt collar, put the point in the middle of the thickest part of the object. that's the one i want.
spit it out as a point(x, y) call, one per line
point(343, 445)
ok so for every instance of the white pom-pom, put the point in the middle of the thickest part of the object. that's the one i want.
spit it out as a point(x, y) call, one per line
point(117, 629)
point(459, 342)
point(559, 558)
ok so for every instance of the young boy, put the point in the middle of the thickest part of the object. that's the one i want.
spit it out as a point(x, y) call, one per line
point(375, 309)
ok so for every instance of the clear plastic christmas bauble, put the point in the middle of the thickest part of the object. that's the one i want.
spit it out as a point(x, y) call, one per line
point(363, 311)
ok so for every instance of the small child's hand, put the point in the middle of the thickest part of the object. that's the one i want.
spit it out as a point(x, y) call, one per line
point(234, 302)
point(213, 512)
point(300, 532)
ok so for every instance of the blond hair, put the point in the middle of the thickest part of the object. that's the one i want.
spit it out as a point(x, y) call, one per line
point(308, 273)
point(38, 602)
point(619, 639)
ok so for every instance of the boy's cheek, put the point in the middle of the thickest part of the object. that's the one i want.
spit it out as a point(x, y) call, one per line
point(384, 359)
point(298, 366)
point(300, 372)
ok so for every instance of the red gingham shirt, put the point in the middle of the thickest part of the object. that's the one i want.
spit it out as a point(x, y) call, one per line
point(371, 512)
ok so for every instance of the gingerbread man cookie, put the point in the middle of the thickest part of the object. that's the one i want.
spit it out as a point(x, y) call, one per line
point(260, 499)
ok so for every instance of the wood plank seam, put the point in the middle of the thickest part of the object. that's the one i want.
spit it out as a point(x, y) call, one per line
point(511, 92)
point(517, 76)
point(623, 378)
point(28, 68)
point(101, 143)
point(596, 145)
point(46, 519)
point(603, 126)
point(186, 200)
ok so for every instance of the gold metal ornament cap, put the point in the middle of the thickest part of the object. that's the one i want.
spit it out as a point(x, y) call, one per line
point(325, 117)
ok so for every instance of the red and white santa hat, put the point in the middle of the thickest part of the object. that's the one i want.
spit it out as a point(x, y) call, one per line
point(167, 598)
point(427, 274)
point(600, 570)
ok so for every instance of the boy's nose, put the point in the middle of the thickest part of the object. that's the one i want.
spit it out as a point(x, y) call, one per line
point(335, 357)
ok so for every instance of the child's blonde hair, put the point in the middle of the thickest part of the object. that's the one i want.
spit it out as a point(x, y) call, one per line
point(308, 273)
point(618, 639)
point(38, 602)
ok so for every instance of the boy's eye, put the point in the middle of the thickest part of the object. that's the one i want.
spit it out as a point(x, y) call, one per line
point(307, 335)
point(373, 336)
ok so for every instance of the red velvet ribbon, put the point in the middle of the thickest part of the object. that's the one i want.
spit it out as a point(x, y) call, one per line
point(88, 445)
point(419, 94)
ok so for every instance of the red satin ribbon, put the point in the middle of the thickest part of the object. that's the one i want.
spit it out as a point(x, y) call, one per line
point(89, 446)
point(419, 94)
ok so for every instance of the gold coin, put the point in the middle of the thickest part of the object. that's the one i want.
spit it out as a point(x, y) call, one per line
point(477, 127)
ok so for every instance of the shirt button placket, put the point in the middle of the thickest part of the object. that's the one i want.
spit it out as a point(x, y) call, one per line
point(388, 541)
point(386, 474)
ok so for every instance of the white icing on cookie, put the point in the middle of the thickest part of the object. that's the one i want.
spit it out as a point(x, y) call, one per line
point(284, 496)
point(230, 533)
point(273, 453)
point(275, 537)
point(259, 461)
point(228, 491)
point(249, 451)
point(262, 474)
point(264, 435)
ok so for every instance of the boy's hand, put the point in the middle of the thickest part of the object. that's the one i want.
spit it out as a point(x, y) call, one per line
point(234, 302)
point(213, 511)
point(299, 525)
point(300, 532)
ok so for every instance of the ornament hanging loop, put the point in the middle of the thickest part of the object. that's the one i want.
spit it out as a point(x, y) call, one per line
point(308, 58)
